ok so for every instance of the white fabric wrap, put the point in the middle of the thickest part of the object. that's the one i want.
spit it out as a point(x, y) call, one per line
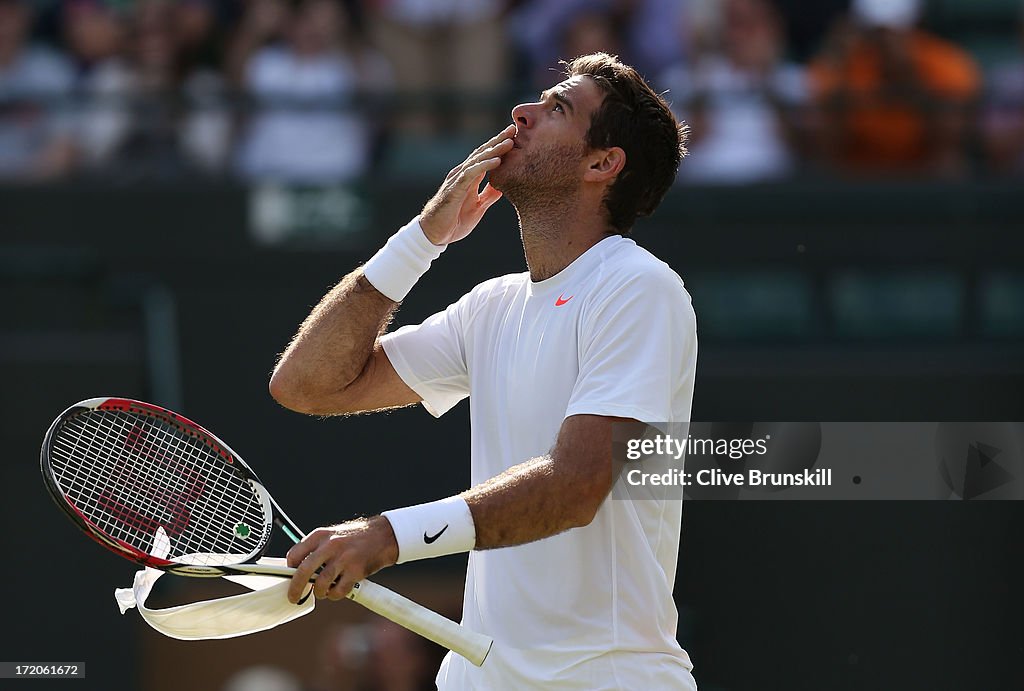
point(433, 530)
point(264, 608)
point(405, 257)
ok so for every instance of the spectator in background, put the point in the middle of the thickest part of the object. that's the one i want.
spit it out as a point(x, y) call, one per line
point(540, 30)
point(308, 127)
point(36, 141)
point(1003, 124)
point(263, 23)
point(262, 678)
point(445, 45)
point(95, 34)
point(147, 115)
point(655, 34)
point(891, 98)
point(197, 34)
point(376, 656)
point(649, 33)
point(591, 32)
point(742, 101)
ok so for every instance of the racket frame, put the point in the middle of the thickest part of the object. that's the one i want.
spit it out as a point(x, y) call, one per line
point(272, 512)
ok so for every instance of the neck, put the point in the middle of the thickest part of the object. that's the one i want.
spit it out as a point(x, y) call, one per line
point(555, 234)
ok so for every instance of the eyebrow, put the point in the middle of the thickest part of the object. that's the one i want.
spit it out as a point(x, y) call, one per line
point(560, 97)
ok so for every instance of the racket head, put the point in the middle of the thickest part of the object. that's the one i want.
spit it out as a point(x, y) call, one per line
point(154, 487)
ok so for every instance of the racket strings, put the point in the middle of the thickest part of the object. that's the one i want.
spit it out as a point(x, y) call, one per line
point(130, 474)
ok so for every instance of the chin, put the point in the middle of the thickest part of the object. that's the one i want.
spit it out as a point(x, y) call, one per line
point(510, 187)
point(499, 178)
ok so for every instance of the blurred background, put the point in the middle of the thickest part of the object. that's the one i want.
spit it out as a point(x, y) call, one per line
point(181, 180)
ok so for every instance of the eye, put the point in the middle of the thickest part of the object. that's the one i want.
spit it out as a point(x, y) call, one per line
point(558, 107)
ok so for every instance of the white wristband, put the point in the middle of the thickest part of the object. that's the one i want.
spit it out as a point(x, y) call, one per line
point(405, 257)
point(433, 530)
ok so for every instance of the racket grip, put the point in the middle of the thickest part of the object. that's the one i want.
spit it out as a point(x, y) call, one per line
point(469, 644)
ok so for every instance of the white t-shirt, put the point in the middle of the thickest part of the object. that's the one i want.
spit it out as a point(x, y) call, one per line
point(295, 136)
point(744, 141)
point(612, 334)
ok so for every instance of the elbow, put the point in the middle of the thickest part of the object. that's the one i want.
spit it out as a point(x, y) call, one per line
point(590, 501)
point(286, 391)
point(583, 517)
point(295, 394)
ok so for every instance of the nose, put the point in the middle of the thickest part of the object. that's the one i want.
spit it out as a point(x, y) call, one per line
point(523, 115)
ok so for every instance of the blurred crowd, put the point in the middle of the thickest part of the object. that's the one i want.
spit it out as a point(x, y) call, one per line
point(375, 656)
point(320, 91)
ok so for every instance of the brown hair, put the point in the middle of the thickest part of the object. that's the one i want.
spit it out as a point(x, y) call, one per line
point(635, 118)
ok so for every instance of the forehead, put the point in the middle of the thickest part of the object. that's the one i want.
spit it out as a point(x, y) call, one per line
point(582, 91)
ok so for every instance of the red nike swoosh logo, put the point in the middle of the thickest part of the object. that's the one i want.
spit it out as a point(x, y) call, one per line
point(559, 302)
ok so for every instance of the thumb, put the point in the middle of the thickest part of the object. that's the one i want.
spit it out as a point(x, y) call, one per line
point(488, 197)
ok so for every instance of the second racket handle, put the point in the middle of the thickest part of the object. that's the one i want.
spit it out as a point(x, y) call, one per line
point(469, 644)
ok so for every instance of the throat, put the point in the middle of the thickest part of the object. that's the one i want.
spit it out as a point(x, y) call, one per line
point(553, 242)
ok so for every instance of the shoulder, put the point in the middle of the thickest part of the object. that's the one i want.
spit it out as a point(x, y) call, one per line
point(499, 285)
point(637, 298)
point(633, 280)
point(626, 264)
point(489, 294)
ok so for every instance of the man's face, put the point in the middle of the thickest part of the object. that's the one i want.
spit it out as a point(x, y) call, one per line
point(550, 142)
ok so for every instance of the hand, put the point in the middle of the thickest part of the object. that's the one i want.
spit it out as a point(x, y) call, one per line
point(344, 555)
point(458, 206)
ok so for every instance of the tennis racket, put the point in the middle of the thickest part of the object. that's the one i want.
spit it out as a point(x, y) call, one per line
point(122, 470)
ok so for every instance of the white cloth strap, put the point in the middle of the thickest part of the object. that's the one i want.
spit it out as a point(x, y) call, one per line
point(264, 608)
point(403, 259)
point(433, 530)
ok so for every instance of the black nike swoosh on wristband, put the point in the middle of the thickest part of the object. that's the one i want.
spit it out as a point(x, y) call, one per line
point(430, 539)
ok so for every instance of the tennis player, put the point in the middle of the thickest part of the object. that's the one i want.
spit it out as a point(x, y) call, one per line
point(574, 586)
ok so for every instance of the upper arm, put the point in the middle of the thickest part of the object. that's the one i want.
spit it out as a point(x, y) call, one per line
point(378, 387)
point(591, 449)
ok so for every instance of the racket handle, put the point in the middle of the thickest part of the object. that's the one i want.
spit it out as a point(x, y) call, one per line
point(469, 644)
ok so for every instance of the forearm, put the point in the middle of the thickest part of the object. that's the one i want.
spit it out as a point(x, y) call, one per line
point(334, 343)
point(528, 502)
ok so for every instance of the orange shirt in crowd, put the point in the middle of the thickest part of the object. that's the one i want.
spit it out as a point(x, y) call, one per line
point(890, 131)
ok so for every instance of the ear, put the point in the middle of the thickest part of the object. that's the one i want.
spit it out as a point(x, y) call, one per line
point(604, 164)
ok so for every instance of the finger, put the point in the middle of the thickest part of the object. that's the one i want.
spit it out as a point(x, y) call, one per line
point(328, 575)
point(506, 133)
point(305, 595)
point(473, 175)
point(499, 148)
point(475, 183)
point(301, 550)
point(500, 144)
point(303, 573)
point(341, 589)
